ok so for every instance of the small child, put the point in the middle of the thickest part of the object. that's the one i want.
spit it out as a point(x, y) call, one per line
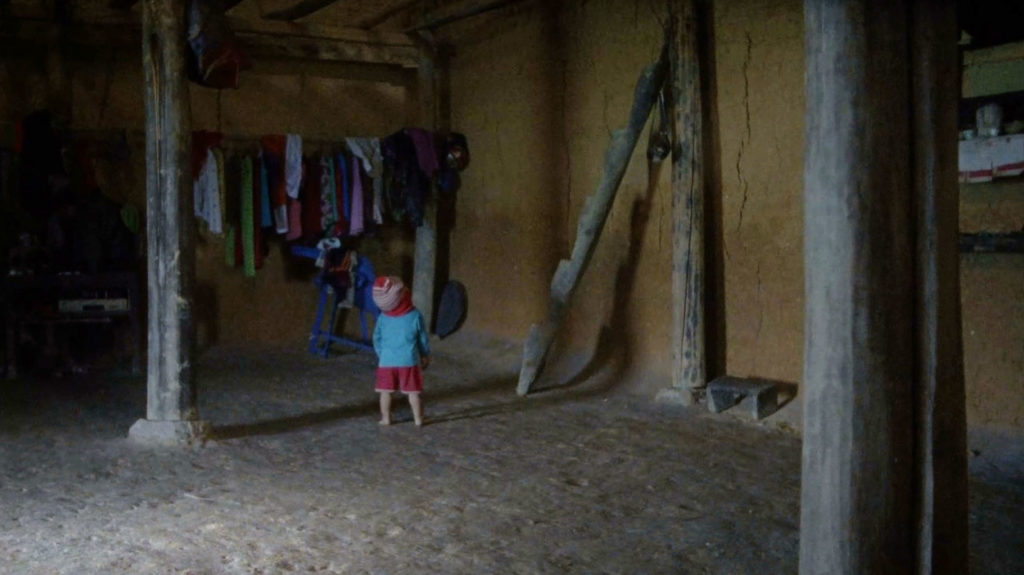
point(402, 345)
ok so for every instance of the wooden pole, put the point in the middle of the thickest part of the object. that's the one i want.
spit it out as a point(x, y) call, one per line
point(591, 224)
point(858, 373)
point(688, 357)
point(425, 251)
point(884, 487)
point(941, 437)
point(171, 414)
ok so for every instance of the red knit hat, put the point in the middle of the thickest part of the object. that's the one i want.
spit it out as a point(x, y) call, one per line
point(387, 292)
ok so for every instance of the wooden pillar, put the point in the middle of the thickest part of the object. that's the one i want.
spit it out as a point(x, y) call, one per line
point(425, 264)
point(171, 414)
point(941, 433)
point(688, 357)
point(883, 423)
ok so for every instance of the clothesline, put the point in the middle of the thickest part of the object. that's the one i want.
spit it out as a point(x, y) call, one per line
point(233, 138)
point(305, 194)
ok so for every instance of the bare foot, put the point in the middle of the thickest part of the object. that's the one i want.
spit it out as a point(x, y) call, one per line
point(419, 423)
point(385, 422)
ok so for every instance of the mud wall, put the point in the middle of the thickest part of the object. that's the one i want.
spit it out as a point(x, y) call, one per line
point(993, 307)
point(322, 102)
point(538, 90)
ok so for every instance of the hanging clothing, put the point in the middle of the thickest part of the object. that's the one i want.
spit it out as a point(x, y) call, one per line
point(222, 189)
point(274, 156)
point(368, 151)
point(231, 211)
point(294, 220)
point(407, 186)
point(248, 223)
point(206, 194)
point(345, 179)
point(369, 224)
point(425, 143)
point(266, 217)
point(341, 196)
point(214, 57)
point(259, 247)
point(356, 227)
point(202, 142)
point(229, 246)
point(328, 199)
point(293, 165)
point(312, 215)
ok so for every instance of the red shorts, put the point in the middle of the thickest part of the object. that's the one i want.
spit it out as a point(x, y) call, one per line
point(407, 379)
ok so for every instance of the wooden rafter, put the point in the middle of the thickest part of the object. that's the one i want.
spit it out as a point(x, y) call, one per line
point(127, 4)
point(374, 20)
point(300, 9)
point(439, 18)
point(261, 39)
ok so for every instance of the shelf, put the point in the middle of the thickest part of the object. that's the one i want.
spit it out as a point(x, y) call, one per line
point(984, 159)
point(1006, 243)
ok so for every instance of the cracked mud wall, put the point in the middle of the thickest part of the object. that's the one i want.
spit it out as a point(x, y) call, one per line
point(760, 75)
point(537, 90)
point(324, 102)
point(993, 307)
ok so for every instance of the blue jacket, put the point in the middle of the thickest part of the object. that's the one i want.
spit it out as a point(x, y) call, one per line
point(400, 341)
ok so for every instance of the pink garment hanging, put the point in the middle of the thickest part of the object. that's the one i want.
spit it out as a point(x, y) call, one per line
point(356, 226)
point(426, 150)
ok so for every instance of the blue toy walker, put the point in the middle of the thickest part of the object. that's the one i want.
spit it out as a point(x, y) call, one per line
point(320, 339)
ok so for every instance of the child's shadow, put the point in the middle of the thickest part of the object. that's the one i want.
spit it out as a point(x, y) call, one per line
point(366, 409)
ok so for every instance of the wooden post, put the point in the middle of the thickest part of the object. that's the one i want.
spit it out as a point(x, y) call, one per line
point(425, 264)
point(858, 373)
point(688, 357)
point(884, 487)
point(941, 434)
point(591, 224)
point(171, 414)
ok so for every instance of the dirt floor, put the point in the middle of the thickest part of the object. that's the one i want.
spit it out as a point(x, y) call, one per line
point(300, 478)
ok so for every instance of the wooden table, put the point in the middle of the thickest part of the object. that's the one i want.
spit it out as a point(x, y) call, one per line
point(35, 300)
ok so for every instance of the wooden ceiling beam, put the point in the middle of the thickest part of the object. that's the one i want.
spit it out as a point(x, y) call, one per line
point(372, 21)
point(457, 12)
point(261, 39)
point(300, 9)
point(128, 4)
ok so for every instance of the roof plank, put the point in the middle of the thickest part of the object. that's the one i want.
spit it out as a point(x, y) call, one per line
point(300, 9)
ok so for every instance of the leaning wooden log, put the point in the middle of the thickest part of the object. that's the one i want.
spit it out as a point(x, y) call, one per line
point(592, 219)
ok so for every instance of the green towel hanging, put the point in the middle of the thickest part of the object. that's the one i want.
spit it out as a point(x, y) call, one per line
point(247, 224)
